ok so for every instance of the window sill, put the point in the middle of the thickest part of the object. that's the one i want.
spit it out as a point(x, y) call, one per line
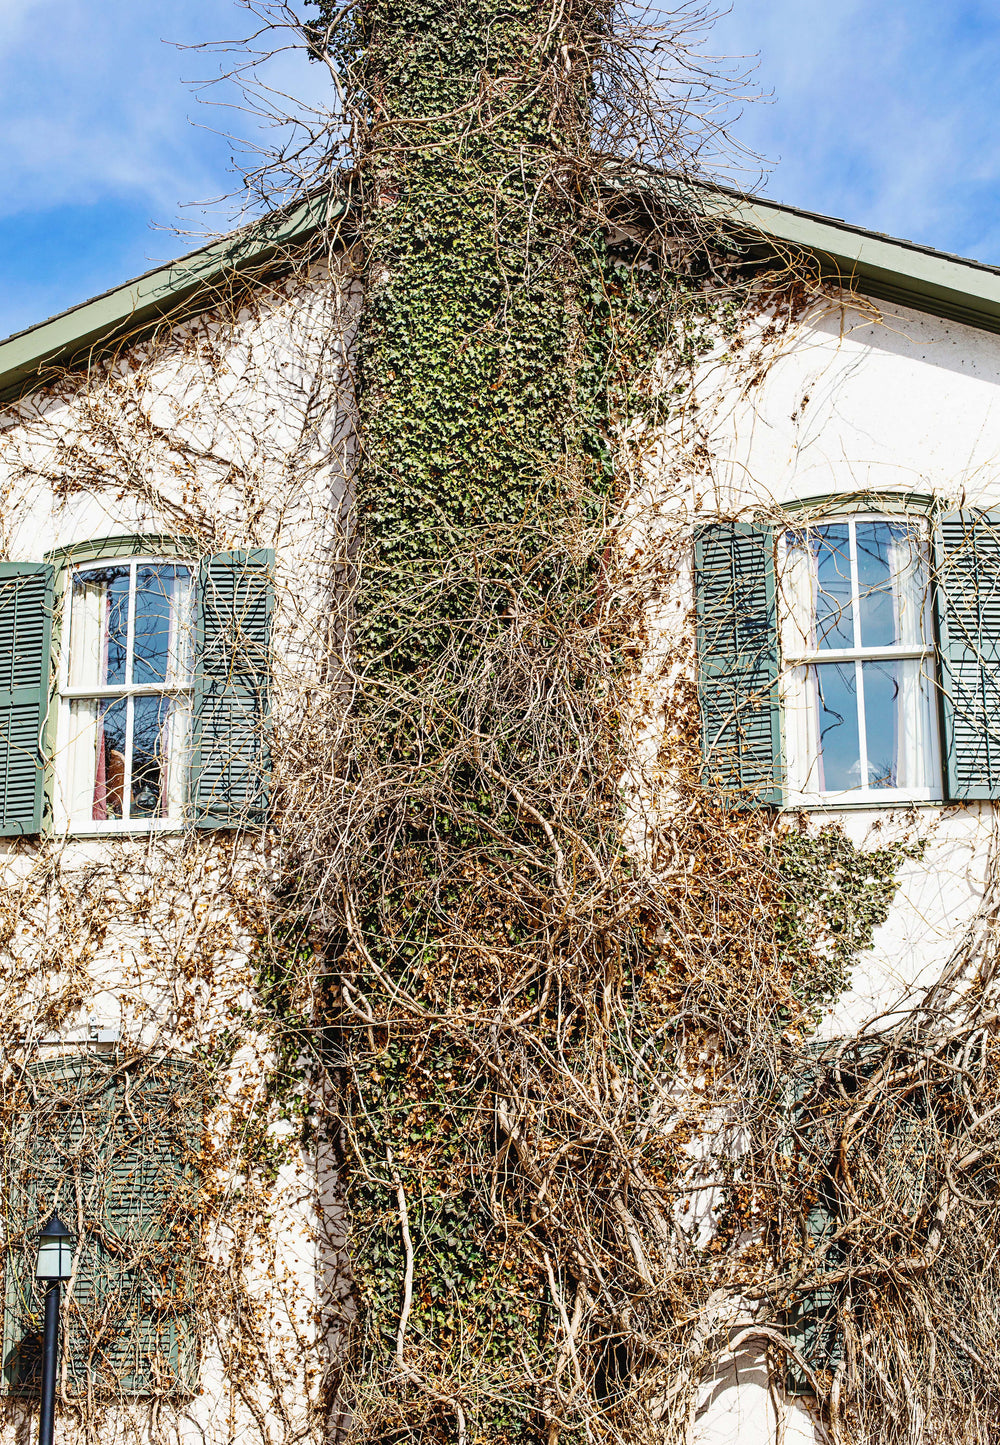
point(857, 805)
point(122, 830)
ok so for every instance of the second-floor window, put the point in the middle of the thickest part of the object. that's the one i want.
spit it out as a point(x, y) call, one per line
point(126, 692)
point(159, 713)
point(858, 684)
point(850, 659)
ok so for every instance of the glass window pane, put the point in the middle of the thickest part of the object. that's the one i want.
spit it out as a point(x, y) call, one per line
point(150, 754)
point(162, 646)
point(834, 611)
point(99, 627)
point(875, 599)
point(898, 724)
point(837, 709)
point(110, 763)
point(890, 584)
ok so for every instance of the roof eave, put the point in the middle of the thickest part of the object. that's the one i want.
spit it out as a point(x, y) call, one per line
point(877, 266)
point(34, 357)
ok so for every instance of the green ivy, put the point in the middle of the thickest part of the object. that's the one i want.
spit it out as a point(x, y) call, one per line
point(832, 897)
point(501, 340)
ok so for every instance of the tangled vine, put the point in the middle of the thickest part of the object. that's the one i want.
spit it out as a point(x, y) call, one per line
point(525, 1012)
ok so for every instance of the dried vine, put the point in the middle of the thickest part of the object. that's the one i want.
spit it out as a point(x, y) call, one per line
point(520, 1008)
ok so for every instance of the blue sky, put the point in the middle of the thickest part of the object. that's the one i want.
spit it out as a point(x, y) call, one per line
point(880, 111)
point(106, 146)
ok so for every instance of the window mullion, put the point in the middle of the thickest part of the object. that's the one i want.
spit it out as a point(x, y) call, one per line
point(108, 694)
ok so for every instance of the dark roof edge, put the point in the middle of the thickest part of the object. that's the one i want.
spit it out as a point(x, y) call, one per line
point(30, 358)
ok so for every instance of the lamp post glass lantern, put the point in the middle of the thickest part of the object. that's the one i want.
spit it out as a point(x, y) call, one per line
point(55, 1251)
point(55, 1263)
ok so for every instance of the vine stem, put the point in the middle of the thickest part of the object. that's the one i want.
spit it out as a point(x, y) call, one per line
point(404, 1313)
point(404, 1225)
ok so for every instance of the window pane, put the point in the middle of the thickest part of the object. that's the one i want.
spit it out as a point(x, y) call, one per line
point(834, 611)
point(97, 766)
point(162, 647)
point(99, 627)
point(837, 708)
point(150, 754)
point(898, 724)
point(109, 772)
point(890, 583)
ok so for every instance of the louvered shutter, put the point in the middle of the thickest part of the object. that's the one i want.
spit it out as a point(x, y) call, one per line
point(967, 591)
point(896, 1148)
point(26, 591)
point(808, 1149)
point(232, 708)
point(738, 662)
point(115, 1150)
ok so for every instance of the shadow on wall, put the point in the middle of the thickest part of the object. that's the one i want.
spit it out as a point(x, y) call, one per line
point(333, 1285)
point(738, 1406)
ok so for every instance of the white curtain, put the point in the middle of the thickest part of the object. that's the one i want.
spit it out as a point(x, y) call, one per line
point(799, 701)
point(181, 628)
point(913, 723)
point(81, 757)
point(88, 640)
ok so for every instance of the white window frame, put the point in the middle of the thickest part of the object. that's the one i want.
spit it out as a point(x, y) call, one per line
point(63, 817)
point(794, 690)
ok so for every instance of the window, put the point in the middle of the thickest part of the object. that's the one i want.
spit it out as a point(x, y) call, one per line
point(858, 667)
point(860, 1163)
point(884, 685)
point(159, 714)
point(126, 693)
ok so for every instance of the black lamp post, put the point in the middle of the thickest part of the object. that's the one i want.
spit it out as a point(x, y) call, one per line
point(55, 1263)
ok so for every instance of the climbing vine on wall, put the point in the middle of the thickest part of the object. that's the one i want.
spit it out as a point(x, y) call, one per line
point(518, 1003)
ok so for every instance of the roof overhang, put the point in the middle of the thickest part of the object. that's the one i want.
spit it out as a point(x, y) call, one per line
point(857, 260)
point(874, 265)
point(31, 358)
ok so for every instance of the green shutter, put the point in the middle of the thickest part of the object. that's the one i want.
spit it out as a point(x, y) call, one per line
point(967, 592)
point(232, 705)
point(26, 591)
point(897, 1145)
point(115, 1149)
point(810, 1150)
point(738, 662)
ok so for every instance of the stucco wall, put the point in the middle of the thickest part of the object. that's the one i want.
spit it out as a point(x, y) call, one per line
point(233, 430)
point(849, 402)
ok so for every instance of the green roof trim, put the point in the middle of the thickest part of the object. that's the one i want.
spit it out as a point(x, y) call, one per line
point(874, 265)
point(882, 267)
point(31, 358)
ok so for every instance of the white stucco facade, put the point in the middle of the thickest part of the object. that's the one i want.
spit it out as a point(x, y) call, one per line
point(235, 430)
point(865, 408)
point(232, 430)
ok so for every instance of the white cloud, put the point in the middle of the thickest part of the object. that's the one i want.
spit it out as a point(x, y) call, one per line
point(93, 104)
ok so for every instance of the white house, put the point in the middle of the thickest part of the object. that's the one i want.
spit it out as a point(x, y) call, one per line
point(175, 460)
point(848, 644)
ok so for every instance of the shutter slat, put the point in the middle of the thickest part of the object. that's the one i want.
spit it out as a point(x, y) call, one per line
point(26, 598)
point(738, 662)
point(967, 594)
point(232, 691)
point(129, 1323)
